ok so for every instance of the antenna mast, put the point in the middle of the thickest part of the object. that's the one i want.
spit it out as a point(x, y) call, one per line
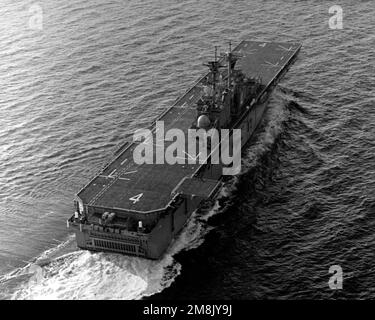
point(214, 68)
point(229, 64)
point(214, 71)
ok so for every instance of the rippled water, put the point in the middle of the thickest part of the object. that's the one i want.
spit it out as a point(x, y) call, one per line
point(97, 70)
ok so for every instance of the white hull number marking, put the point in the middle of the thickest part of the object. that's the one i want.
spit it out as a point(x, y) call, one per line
point(136, 198)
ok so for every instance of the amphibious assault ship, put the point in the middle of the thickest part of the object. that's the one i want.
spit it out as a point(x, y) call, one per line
point(138, 209)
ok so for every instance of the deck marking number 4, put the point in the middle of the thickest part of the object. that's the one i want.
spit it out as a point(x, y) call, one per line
point(136, 198)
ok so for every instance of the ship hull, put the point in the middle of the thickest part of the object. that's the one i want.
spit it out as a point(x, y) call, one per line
point(154, 244)
point(149, 204)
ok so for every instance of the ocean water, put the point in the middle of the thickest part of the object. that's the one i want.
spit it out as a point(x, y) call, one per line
point(74, 89)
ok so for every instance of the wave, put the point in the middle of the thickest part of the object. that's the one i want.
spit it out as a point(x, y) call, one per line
point(87, 275)
point(63, 273)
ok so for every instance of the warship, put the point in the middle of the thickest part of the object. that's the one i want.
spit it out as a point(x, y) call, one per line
point(139, 209)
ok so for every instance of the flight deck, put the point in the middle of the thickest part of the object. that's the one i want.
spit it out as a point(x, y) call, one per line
point(125, 185)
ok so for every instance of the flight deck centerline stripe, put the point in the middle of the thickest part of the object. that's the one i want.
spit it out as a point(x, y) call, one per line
point(130, 172)
point(282, 47)
point(103, 176)
point(252, 51)
point(270, 64)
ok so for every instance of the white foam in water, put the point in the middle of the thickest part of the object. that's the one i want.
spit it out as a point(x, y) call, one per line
point(87, 275)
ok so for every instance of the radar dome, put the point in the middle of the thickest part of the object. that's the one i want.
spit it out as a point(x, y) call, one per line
point(203, 122)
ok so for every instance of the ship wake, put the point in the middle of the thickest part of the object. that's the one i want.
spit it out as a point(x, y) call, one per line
point(87, 275)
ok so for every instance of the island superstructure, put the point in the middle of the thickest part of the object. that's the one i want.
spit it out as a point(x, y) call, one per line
point(138, 209)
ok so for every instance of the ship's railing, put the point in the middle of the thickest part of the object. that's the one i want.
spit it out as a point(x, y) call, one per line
point(118, 246)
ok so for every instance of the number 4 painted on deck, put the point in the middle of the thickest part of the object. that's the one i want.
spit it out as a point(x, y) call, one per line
point(136, 198)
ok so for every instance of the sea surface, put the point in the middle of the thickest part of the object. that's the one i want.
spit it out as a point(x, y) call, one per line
point(77, 82)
